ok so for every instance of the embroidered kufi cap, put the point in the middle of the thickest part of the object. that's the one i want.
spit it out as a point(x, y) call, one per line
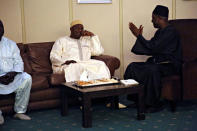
point(161, 10)
point(75, 22)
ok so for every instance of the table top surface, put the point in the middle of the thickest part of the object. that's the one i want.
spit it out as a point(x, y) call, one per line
point(100, 87)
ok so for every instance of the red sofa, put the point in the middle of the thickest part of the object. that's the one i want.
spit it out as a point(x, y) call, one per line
point(37, 63)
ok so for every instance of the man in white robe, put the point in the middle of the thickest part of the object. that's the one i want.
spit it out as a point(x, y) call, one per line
point(71, 55)
point(12, 77)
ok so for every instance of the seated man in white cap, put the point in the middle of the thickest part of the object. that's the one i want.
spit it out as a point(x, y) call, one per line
point(71, 55)
point(12, 77)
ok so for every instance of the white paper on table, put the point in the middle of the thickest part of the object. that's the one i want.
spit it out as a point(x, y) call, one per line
point(129, 82)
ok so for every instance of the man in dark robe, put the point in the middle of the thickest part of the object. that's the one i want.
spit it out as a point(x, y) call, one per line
point(165, 51)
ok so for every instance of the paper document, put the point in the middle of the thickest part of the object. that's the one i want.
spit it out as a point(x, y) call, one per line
point(129, 82)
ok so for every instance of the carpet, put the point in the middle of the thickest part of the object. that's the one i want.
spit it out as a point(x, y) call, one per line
point(106, 119)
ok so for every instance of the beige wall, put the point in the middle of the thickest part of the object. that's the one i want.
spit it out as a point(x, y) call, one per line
point(10, 14)
point(186, 9)
point(46, 20)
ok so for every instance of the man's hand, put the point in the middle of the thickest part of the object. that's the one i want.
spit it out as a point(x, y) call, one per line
point(141, 29)
point(135, 30)
point(69, 62)
point(87, 33)
point(8, 78)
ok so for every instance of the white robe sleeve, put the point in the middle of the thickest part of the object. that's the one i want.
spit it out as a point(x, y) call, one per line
point(96, 47)
point(56, 54)
point(18, 62)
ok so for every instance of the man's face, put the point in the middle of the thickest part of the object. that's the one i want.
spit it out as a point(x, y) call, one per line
point(76, 31)
point(155, 21)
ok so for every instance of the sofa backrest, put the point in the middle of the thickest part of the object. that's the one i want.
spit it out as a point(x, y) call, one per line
point(21, 47)
point(36, 57)
point(39, 56)
point(24, 55)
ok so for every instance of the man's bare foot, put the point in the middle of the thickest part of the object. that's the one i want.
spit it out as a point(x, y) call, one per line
point(22, 116)
point(121, 106)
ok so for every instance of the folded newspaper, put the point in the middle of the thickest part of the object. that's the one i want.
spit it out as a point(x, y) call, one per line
point(129, 82)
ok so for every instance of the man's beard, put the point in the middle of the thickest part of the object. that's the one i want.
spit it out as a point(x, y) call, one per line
point(156, 25)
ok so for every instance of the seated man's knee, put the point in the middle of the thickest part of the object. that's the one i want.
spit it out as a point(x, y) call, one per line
point(27, 77)
point(129, 69)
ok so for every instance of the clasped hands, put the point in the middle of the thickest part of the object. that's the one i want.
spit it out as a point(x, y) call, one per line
point(136, 31)
point(8, 78)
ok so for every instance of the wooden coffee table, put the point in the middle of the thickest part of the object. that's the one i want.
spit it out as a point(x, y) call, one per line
point(87, 94)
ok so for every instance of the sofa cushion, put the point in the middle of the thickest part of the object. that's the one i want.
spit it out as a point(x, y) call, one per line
point(44, 104)
point(39, 54)
point(39, 82)
point(56, 79)
point(51, 93)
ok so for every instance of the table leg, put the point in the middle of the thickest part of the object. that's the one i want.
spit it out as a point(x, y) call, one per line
point(87, 113)
point(64, 102)
point(141, 106)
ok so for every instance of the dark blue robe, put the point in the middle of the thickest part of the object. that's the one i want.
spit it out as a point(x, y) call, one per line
point(165, 51)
